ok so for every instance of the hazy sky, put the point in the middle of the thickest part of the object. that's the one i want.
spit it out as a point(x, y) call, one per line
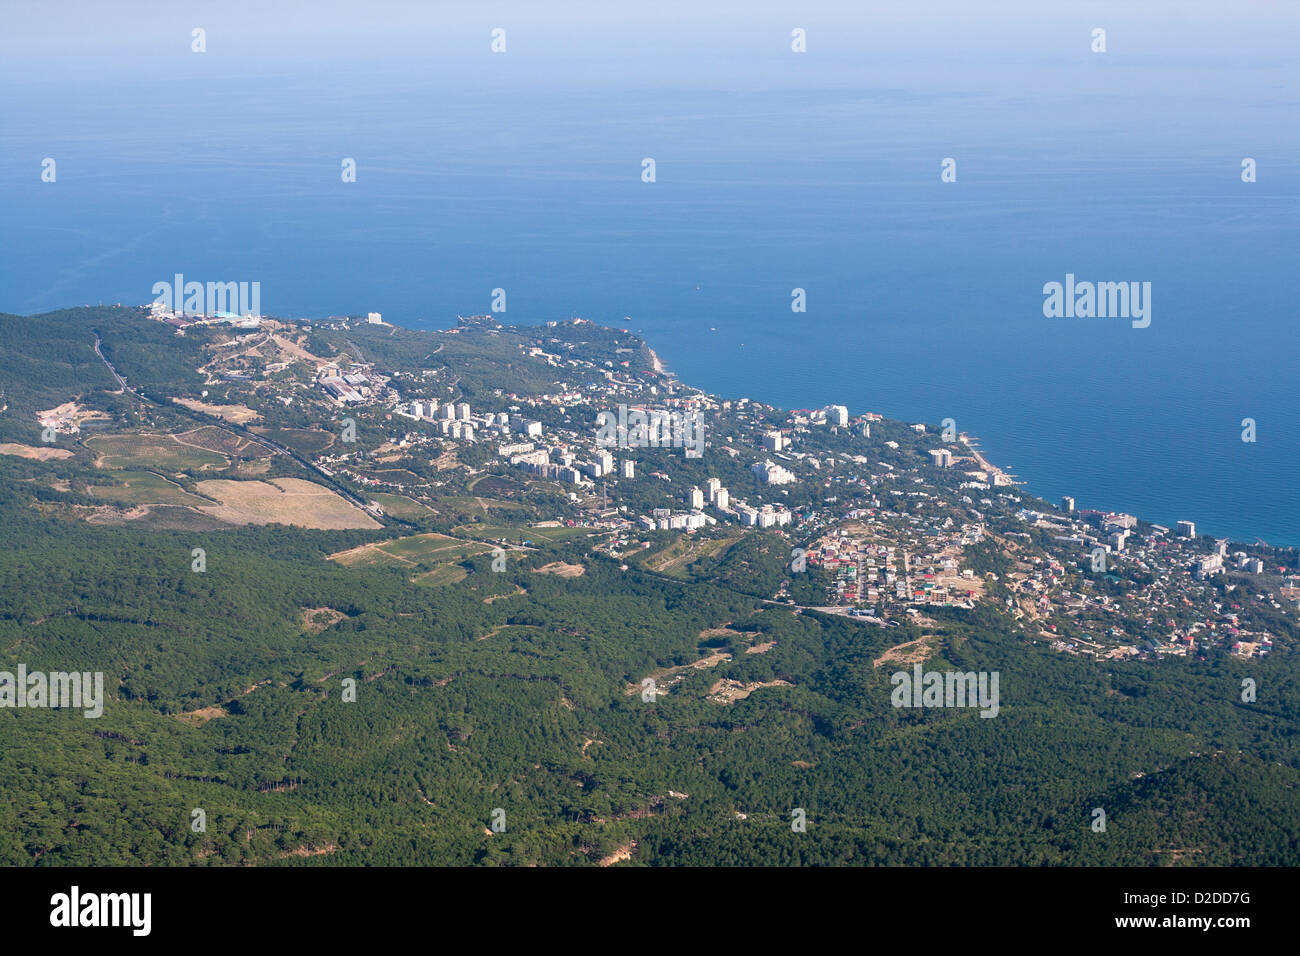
point(665, 42)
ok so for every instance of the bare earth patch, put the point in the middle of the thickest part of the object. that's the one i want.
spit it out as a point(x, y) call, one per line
point(760, 648)
point(290, 501)
point(561, 569)
point(913, 652)
point(69, 416)
point(723, 631)
point(201, 716)
point(239, 414)
point(620, 855)
point(668, 676)
point(37, 454)
point(317, 619)
point(728, 691)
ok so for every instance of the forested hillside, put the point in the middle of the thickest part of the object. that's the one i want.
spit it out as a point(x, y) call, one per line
point(513, 695)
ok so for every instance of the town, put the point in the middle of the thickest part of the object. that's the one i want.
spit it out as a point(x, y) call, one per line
point(877, 520)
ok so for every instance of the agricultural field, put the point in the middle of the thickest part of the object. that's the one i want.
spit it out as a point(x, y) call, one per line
point(144, 450)
point(144, 488)
point(447, 574)
point(513, 533)
point(223, 442)
point(305, 441)
point(419, 551)
point(289, 501)
point(400, 506)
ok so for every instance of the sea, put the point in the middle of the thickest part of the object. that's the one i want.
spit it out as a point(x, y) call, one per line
point(774, 171)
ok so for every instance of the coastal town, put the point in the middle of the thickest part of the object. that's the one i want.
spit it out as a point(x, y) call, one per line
point(877, 520)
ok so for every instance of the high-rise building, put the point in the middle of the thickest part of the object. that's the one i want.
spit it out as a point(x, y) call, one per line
point(1067, 503)
point(941, 458)
point(770, 473)
point(773, 441)
point(837, 415)
point(1187, 529)
point(695, 498)
point(629, 468)
point(462, 411)
point(722, 500)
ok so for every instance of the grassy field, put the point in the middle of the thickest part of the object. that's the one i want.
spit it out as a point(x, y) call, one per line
point(513, 533)
point(144, 488)
point(400, 506)
point(305, 441)
point(158, 451)
point(447, 574)
point(290, 501)
point(425, 551)
point(495, 485)
point(473, 506)
point(676, 559)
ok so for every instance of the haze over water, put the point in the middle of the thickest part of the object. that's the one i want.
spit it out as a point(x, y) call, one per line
point(774, 171)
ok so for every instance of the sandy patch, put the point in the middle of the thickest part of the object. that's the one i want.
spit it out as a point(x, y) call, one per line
point(202, 715)
point(668, 676)
point(913, 652)
point(620, 855)
point(289, 501)
point(38, 454)
point(561, 569)
point(728, 691)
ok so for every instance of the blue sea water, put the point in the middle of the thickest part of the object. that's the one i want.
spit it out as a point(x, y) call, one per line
point(924, 299)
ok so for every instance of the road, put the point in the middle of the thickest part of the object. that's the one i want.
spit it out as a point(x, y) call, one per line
point(239, 430)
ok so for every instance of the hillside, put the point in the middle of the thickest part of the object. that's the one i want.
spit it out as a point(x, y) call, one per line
point(497, 635)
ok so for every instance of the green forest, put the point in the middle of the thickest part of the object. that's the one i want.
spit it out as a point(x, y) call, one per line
point(284, 708)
